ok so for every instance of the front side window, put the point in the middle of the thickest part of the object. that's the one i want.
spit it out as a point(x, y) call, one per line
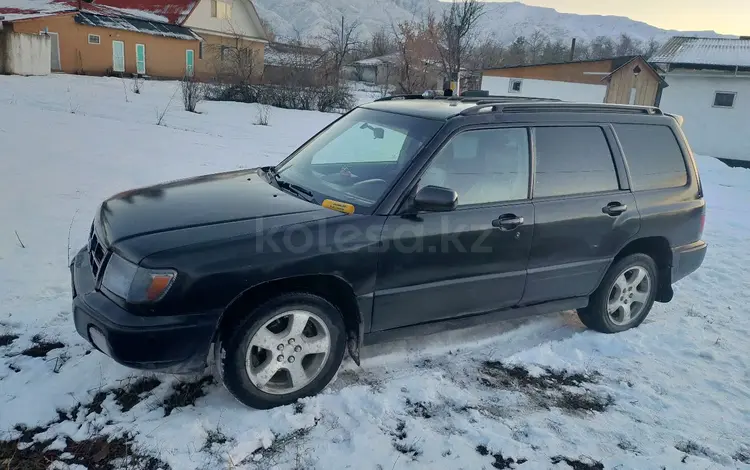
point(573, 160)
point(221, 9)
point(358, 158)
point(483, 166)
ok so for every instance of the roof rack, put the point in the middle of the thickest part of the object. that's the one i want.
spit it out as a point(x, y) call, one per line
point(402, 97)
point(515, 106)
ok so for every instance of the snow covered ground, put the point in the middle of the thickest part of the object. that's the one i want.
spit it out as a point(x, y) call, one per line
point(545, 393)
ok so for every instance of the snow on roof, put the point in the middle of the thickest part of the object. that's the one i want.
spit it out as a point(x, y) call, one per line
point(290, 55)
point(375, 61)
point(163, 11)
point(136, 25)
point(704, 51)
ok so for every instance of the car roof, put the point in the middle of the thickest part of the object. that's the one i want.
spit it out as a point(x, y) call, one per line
point(438, 109)
point(446, 108)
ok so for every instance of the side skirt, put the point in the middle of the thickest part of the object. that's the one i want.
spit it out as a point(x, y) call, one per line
point(474, 320)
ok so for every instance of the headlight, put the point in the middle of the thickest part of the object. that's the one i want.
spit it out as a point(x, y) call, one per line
point(136, 284)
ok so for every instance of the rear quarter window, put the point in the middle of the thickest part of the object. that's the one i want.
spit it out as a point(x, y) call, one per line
point(654, 157)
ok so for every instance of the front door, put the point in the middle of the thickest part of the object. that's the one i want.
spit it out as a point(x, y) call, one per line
point(189, 62)
point(118, 56)
point(471, 260)
point(140, 59)
point(583, 217)
point(54, 50)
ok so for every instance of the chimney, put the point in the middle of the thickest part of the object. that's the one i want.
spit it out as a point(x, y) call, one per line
point(573, 50)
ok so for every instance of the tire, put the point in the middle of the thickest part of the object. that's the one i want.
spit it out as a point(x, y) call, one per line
point(596, 315)
point(274, 325)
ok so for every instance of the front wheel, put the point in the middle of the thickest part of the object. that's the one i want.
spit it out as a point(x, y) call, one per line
point(288, 348)
point(624, 297)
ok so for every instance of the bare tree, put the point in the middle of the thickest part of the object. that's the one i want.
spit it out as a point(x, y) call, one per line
point(340, 40)
point(415, 51)
point(536, 46)
point(602, 47)
point(516, 53)
point(454, 34)
point(381, 43)
point(193, 92)
point(627, 45)
point(488, 54)
point(651, 48)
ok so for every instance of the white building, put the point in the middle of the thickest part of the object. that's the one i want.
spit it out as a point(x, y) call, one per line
point(709, 85)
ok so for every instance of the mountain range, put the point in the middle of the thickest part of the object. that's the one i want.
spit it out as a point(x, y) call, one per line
point(503, 21)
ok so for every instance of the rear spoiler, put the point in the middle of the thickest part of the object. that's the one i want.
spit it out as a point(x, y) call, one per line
point(680, 120)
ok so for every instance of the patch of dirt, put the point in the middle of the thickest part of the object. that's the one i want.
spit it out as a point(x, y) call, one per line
point(131, 395)
point(693, 448)
point(214, 437)
point(299, 407)
point(6, 340)
point(742, 456)
point(186, 393)
point(96, 453)
point(269, 457)
point(41, 347)
point(399, 442)
point(419, 409)
point(582, 463)
point(549, 389)
point(500, 461)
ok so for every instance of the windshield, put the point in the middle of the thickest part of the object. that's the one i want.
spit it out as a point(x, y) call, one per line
point(358, 157)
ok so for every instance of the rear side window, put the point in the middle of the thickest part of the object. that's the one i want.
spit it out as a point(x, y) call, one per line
point(654, 156)
point(573, 160)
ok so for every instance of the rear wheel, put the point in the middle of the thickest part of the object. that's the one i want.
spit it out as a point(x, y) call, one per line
point(624, 297)
point(288, 348)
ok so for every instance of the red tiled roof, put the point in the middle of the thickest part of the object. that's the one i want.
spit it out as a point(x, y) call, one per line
point(167, 11)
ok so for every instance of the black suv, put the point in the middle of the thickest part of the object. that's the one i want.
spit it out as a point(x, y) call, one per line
point(402, 217)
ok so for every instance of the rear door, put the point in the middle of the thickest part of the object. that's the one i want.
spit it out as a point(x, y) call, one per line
point(440, 265)
point(585, 212)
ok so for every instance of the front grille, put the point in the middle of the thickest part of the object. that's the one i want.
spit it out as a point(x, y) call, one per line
point(97, 254)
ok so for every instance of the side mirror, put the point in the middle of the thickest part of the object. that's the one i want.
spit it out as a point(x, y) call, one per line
point(435, 199)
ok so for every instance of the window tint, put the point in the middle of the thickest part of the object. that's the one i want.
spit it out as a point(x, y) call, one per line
point(359, 144)
point(654, 156)
point(483, 166)
point(573, 160)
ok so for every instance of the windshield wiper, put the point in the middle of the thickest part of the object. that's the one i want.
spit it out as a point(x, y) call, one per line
point(291, 187)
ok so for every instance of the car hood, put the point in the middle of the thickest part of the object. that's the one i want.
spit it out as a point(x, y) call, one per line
point(197, 202)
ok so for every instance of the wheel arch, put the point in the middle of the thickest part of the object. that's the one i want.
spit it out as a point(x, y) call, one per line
point(659, 249)
point(330, 287)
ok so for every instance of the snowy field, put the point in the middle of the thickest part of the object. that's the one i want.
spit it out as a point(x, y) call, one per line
point(539, 394)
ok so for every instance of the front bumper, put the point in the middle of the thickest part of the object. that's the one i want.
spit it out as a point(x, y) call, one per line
point(176, 343)
point(687, 259)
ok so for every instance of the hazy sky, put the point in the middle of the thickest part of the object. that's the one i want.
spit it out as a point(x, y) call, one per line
point(723, 16)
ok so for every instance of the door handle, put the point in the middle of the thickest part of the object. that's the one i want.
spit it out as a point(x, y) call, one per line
point(614, 208)
point(507, 222)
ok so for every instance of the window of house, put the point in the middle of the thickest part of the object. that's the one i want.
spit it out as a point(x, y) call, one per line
point(724, 99)
point(515, 86)
point(573, 160)
point(654, 157)
point(483, 166)
point(221, 9)
point(94, 39)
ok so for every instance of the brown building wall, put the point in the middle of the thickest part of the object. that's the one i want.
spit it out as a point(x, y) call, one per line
point(573, 73)
point(165, 57)
point(624, 80)
point(210, 65)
